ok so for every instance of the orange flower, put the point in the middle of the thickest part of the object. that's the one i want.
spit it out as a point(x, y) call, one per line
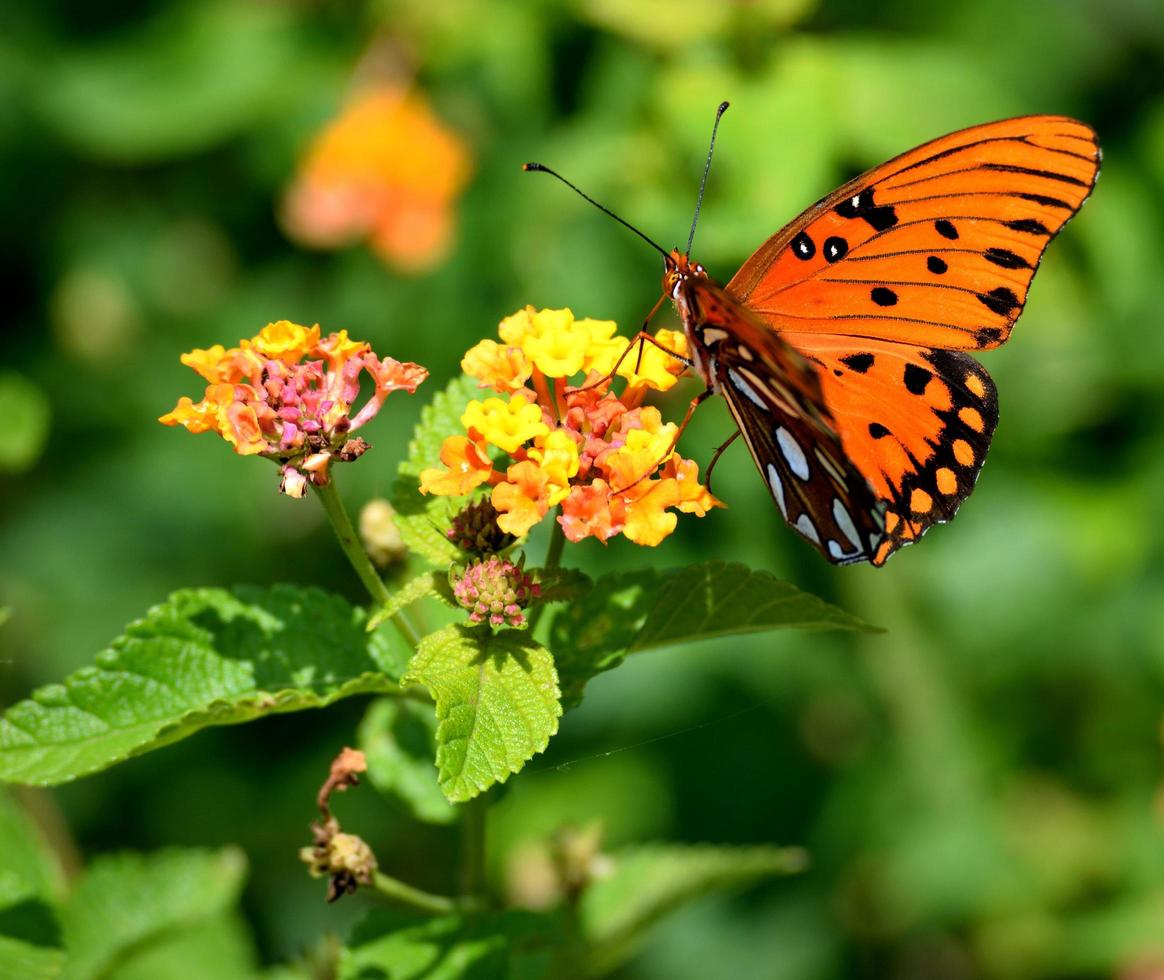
point(386, 171)
point(296, 407)
point(603, 457)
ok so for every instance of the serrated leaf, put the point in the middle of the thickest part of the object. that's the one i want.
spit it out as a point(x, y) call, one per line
point(643, 610)
point(127, 901)
point(204, 657)
point(497, 704)
point(429, 585)
point(647, 883)
point(398, 739)
point(423, 520)
point(400, 945)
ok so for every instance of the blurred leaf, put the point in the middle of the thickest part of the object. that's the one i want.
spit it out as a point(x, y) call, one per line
point(390, 943)
point(497, 702)
point(398, 739)
point(25, 411)
point(434, 585)
point(28, 866)
point(648, 883)
point(126, 903)
point(628, 612)
point(29, 961)
point(220, 948)
point(181, 83)
point(423, 520)
point(204, 657)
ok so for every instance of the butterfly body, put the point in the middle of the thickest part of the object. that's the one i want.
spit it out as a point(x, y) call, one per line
point(840, 345)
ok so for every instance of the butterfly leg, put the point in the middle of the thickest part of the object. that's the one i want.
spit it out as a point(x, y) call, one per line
point(642, 337)
point(715, 458)
point(695, 403)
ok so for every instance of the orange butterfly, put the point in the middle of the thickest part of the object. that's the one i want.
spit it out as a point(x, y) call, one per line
point(840, 344)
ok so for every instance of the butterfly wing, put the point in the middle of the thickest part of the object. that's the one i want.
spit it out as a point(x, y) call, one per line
point(915, 422)
point(775, 397)
point(887, 280)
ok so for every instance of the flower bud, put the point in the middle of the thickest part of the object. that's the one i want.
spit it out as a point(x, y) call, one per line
point(475, 529)
point(495, 590)
point(379, 533)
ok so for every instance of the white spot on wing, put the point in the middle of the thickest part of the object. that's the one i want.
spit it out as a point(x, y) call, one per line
point(777, 486)
point(845, 522)
point(805, 526)
point(746, 389)
point(835, 551)
point(745, 353)
point(713, 335)
point(797, 461)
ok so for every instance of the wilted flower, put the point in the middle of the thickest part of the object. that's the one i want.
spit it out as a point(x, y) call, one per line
point(387, 171)
point(288, 395)
point(495, 591)
point(606, 459)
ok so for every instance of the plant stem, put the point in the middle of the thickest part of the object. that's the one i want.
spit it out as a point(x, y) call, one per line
point(350, 543)
point(473, 847)
point(553, 560)
point(425, 901)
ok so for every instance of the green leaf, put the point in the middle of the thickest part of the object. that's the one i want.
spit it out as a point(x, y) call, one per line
point(29, 961)
point(649, 882)
point(204, 657)
point(28, 866)
point(25, 411)
point(219, 948)
point(423, 520)
point(400, 945)
point(631, 612)
point(429, 585)
point(497, 701)
point(126, 902)
point(398, 739)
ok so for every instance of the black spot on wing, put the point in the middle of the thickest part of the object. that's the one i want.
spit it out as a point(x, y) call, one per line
point(877, 430)
point(835, 248)
point(916, 379)
point(1000, 300)
point(1028, 226)
point(936, 266)
point(946, 229)
point(987, 335)
point(803, 247)
point(861, 205)
point(883, 296)
point(858, 362)
point(1005, 258)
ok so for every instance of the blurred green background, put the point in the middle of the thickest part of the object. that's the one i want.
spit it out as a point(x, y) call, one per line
point(978, 787)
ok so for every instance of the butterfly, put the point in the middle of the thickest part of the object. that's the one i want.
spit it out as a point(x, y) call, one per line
point(841, 346)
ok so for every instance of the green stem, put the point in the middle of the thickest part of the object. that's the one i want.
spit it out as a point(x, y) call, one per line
point(473, 847)
point(425, 901)
point(553, 560)
point(350, 543)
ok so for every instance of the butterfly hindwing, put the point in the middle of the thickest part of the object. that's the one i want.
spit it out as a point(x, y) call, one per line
point(917, 423)
point(935, 248)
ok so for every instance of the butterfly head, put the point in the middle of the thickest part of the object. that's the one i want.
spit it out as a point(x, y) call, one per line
point(678, 269)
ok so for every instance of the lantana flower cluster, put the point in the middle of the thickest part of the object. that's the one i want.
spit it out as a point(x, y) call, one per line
point(289, 395)
point(557, 434)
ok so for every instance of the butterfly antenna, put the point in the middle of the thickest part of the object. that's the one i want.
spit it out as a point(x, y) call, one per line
point(723, 106)
point(537, 167)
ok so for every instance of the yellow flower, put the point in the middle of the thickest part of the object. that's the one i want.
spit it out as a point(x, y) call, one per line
point(648, 521)
point(497, 366)
point(658, 369)
point(556, 344)
point(557, 457)
point(505, 425)
point(466, 467)
point(284, 341)
point(514, 328)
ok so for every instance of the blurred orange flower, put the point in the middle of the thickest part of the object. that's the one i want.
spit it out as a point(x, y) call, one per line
point(606, 459)
point(386, 171)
